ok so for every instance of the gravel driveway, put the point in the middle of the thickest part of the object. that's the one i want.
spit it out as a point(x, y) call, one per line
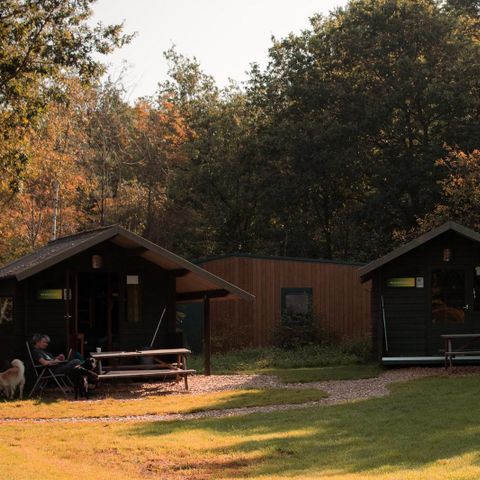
point(339, 391)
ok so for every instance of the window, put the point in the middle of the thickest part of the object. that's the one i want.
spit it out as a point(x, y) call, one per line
point(476, 288)
point(296, 300)
point(448, 296)
point(133, 299)
point(6, 309)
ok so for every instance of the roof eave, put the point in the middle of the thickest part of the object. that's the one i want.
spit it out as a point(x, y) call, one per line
point(69, 253)
point(379, 262)
point(238, 292)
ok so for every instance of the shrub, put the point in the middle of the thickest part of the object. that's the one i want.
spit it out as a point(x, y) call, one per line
point(296, 330)
point(255, 359)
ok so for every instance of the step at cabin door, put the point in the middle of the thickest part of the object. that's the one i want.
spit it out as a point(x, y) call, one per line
point(451, 304)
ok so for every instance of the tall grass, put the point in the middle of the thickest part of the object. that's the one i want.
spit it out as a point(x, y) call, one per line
point(255, 359)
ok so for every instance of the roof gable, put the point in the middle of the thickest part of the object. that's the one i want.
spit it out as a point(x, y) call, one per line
point(193, 278)
point(426, 237)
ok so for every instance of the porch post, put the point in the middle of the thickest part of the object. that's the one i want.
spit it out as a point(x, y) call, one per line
point(171, 305)
point(207, 347)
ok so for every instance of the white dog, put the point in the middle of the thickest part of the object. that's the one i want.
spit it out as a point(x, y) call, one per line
point(12, 378)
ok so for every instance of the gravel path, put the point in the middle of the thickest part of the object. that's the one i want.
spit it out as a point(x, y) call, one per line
point(339, 391)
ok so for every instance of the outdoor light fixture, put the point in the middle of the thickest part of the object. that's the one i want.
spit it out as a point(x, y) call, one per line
point(97, 261)
point(447, 254)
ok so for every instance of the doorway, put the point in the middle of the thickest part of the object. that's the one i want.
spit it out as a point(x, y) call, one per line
point(96, 311)
point(450, 303)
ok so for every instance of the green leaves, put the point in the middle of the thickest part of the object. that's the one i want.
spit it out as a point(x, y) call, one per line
point(41, 43)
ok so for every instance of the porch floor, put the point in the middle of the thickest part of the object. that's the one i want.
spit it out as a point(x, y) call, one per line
point(425, 360)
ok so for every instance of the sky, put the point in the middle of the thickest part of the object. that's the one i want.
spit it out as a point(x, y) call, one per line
point(225, 36)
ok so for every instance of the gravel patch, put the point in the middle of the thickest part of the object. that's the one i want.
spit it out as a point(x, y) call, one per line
point(339, 391)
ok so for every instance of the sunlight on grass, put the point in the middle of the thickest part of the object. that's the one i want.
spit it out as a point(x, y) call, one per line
point(158, 405)
point(428, 429)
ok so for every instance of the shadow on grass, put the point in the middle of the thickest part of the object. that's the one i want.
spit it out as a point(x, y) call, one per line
point(256, 397)
point(421, 422)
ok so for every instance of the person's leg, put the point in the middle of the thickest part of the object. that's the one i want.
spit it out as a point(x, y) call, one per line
point(67, 368)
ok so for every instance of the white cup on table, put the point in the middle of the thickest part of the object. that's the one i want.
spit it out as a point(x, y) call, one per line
point(99, 349)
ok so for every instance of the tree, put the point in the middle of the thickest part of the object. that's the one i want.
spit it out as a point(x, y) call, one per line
point(360, 108)
point(219, 184)
point(50, 196)
point(41, 41)
point(460, 193)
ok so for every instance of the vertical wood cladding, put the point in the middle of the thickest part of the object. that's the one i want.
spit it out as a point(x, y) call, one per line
point(410, 330)
point(340, 301)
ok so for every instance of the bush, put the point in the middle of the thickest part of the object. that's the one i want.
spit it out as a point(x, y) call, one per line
point(296, 330)
point(255, 359)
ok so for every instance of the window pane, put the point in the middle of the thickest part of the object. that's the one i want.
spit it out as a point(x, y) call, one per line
point(297, 302)
point(448, 296)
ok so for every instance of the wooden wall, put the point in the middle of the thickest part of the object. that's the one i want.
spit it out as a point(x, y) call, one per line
point(339, 299)
point(408, 317)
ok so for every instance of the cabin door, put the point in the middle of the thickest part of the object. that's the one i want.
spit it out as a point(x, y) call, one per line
point(450, 304)
point(97, 310)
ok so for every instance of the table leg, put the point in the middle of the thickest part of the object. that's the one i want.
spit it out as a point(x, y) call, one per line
point(445, 346)
point(179, 360)
point(185, 368)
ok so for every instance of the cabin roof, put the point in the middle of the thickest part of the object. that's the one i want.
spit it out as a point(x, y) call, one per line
point(254, 256)
point(426, 237)
point(191, 280)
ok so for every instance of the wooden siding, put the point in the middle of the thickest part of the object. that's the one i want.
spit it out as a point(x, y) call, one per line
point(340, 301)
point(410, 330)
point(48, 316)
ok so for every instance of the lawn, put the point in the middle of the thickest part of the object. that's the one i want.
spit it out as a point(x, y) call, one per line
point(156, 405)
point(426, 429)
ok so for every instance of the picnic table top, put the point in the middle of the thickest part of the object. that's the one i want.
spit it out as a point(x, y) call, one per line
point(140, 353)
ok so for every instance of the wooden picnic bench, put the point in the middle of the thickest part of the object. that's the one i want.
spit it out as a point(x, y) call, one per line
point(463, 350)
point(159, 368)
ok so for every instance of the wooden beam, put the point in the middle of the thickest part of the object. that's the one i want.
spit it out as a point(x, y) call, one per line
point(171, 305)
point(207, 344)
point(137, 251)
point(183, 297)
point(181, 272)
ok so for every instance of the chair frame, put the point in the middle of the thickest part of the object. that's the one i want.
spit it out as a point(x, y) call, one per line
point(45, 373)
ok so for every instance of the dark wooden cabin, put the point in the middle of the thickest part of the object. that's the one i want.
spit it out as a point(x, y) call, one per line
point(332, 289)
point(102, 288)
point(422, 290)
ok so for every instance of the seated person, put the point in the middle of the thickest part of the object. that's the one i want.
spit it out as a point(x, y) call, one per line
point(40, 356)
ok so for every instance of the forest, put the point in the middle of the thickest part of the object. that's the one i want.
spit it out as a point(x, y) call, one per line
point(361, 132)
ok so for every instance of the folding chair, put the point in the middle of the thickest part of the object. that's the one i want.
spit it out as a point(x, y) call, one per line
point(45, 374)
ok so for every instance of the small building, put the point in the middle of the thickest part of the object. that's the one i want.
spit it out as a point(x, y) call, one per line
point(422, 290)
point(332, 289)
point(102, 288)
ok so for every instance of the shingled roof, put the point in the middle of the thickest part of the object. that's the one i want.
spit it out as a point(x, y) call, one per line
point(426, 237)
point(192, 279)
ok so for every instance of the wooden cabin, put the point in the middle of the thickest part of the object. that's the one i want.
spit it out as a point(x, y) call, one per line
point(332, 289)
point(422, 290)
point(102, 288)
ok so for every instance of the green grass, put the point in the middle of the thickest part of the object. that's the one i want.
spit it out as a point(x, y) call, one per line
point(321, 374)
point(156, 405)
point(427, 429)
point(256, 359)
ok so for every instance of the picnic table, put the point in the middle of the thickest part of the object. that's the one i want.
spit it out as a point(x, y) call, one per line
point(158, 368)
point(464, 349)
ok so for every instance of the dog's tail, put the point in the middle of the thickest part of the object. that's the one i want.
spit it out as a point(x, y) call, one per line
point(19, 364)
